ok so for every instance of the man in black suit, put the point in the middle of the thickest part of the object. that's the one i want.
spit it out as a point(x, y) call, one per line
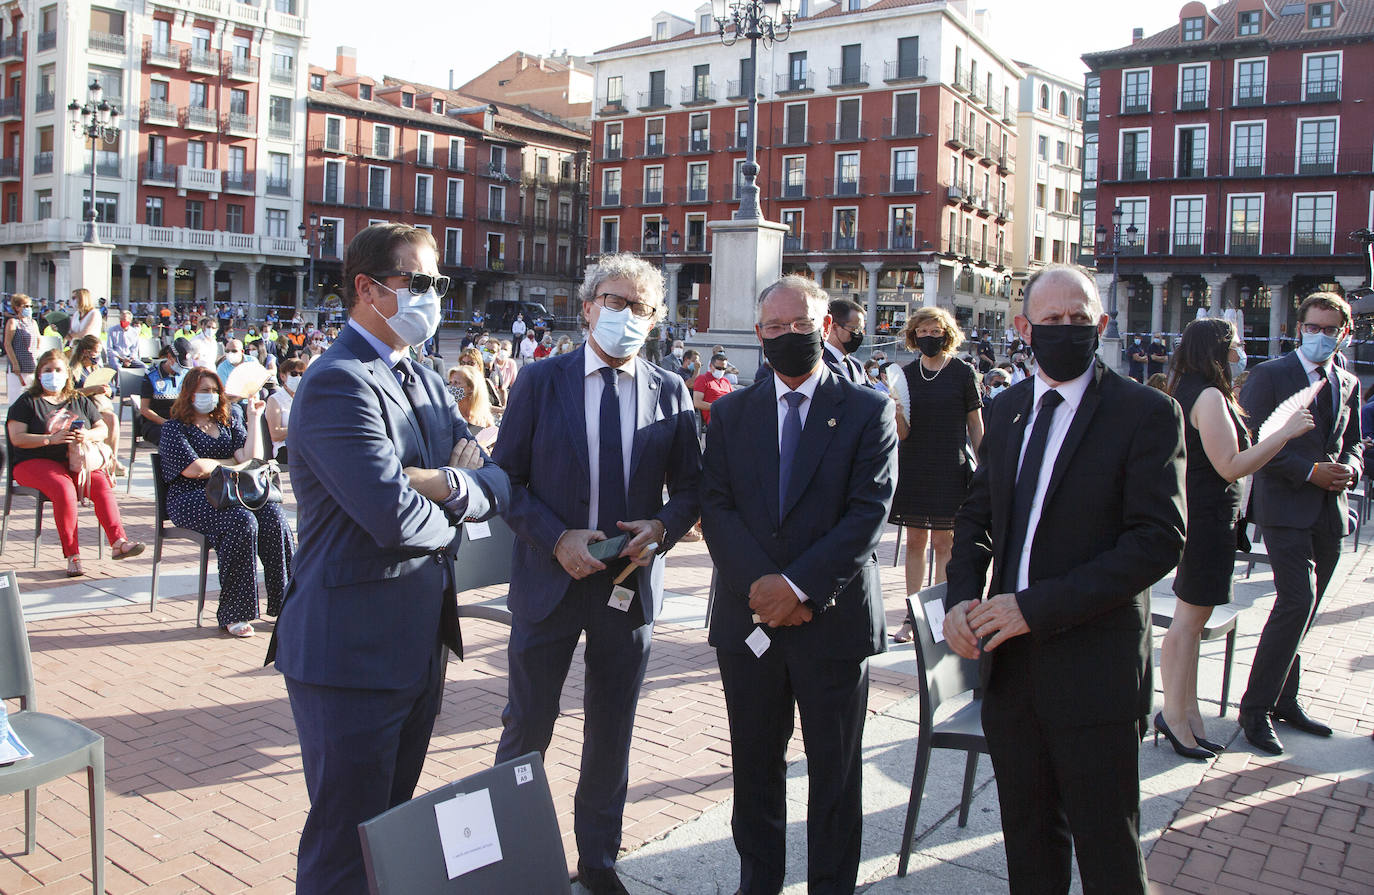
point(1300, 505)
point(1078, 507)
point(845, 337)
point(796, 485)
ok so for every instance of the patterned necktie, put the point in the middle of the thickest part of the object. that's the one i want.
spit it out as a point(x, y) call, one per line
point(610, 493)
point(1026, 482)
point(787, 450)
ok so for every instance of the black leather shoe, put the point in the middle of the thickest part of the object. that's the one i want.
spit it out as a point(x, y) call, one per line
point(601, 880)
point(1292, 714)
point(1260, 732)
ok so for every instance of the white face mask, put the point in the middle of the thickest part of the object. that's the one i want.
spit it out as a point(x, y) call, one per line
point(417, 316)
point(293, 382)
point(234, 357)
point(677, 353)
point(621, 333)
point(205, 402)
point(717, 374)
point(54, 380)
point(996, 390)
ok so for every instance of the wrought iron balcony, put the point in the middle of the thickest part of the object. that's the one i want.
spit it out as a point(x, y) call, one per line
point(42, 163)
point(106, 43)
point(905, 185)
point(795, 83)
point(792, 136)
point(201, 119)
point(846, 131)
point(161, 54)
point(909, 69)
point(239, 181)
point(203, 60)
point(850, 76)
point(905, 127)
point(242, 68)
point(698, 94)
point(278, 185)
point(157, 111)
point(159, 172)
point(242, 125)
point(650, 100)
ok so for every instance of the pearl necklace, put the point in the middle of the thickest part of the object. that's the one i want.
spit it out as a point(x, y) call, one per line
point(921, 367)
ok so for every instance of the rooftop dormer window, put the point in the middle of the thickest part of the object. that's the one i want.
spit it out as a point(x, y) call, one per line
point(1320, 15)
point(408, 100)
point(660, 30)
point(1249, 23)
point(1192, 28)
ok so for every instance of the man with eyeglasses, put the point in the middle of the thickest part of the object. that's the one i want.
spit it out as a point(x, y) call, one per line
point(590, 439)
point(797, 482)
point(846, 335)
point(1300, 504)
point(385, 473)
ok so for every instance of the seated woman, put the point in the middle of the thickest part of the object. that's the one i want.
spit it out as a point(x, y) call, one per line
point(473, 402)
point(279, 404)
point(87, 356)
point(202, 434)
point(44, 423)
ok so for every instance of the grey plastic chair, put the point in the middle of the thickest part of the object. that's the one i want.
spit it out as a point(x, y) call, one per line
point(403, 854)
point(130, 388)
point(1222, 623)
point(60, 747)
point(941, 675)
point(12, 491)
point(163, 529)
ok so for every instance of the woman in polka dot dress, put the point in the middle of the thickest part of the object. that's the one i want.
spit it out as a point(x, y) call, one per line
point(203, 433)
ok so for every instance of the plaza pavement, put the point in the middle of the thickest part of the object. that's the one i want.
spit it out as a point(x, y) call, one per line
point(205, 794)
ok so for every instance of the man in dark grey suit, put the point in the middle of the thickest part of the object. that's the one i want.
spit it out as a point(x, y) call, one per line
point(845, 336)
point(370, 607)
point(590, 439)
point(1300, 505)
point(796, 486)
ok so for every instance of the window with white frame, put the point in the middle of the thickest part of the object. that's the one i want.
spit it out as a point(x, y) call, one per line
point(698, 179)
point(612, 146)
point(378, 187)
point(333, 133)
point(903, 227)
point(1317, 145)
point(1191, 152)
point(457, 153)
point(1244, 214)
point(1250, 81)
point(610, 235)
point(496, 203)
point(454, 200)
point(792, 219)
point(424, 194)
point(846, 235)
point(333, 182)
point(1247, 148)
point(1321, 77)
point(1135, 94)
point(277, 222)
point(424, 150)
point(1320, 15)
point(699, 132)
point(846, 174)
point(332, 237)
point(653, 185)
point(904, 170)
point(1248, 23)
point(610, 186)
point(1089, 158)
point(1135, 155)
point(1192, 29)
point(793, 176)
point(615, 90)
point(1187, 225)
point(453, 247)
point(381, 140)
point(1134, 213)
point(1192, 87)
point(1314, 219)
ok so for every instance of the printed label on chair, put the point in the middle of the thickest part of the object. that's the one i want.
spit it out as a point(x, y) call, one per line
point(467, 832)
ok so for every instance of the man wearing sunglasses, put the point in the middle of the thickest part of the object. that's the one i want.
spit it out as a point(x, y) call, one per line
point(1300, 503)
point(385, 473)
point(589, 440)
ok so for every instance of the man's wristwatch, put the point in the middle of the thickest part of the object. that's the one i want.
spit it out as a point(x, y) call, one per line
point(454, 485)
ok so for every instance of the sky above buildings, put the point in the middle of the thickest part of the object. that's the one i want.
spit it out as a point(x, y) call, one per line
point(420, 40)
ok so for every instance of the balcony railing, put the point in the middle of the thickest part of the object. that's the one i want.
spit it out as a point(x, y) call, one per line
point(789, 83)
point(907, 185)
point(44, 102)
point(242, 125)
point(692, 195)
point(612, 105)
point(453, 210)
point(846, 131)
point(844, 187)
point(154, 237)
point(797, 188)
point(11, 106)
point(1317, 162)
point(161, 54)
point(156, 111)
point(509, 173)
point(46, 40)
point(1192, 98)
point(610, 153)
point(1317, 90)
point(904, 70)
point(792, 136)
point(698, 144)
point(849, 76)
point(905, 127)
point(11, 47)
point(423, 206)
point(794, 242)
point(650, 148)
point(843, 241)
point(609, 199)
point(1251, 165)
point(106, 43)
point(1135, 104)
point(698, 94)
point(1187, 242)
point(455, 162)
point(278, 185)
point(279, 130)
point(241, 68)
point(1006, 162)
point(239, 181)
point(159, 172)
point(10, 168)
point(647, 197)
point(1326, 90)
point(956, 137)
point(1248, 95)
point(106, 164)
point(1243, 242)
point(955, 193)
point(603, 246)
point(739, 90)
point(903, 240)
point(283, 76)
point(42, 163)
point(200, 118)
point(961, 80)
point(205, 61)
point(499, 214)
point(203, 179)
point(652, 99)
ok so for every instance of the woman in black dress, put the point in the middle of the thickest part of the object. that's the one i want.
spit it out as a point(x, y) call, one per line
point(940, 425)
point(1219, 455)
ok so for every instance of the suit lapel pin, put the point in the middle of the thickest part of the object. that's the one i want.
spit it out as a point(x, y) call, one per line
point(1016, 419)
point(830, 422)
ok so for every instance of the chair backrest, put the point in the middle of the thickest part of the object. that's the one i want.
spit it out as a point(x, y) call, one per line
point(403, 851)
point(148, 348)
point(159, 490)
point(16, 668)
point(131, 384)
point(485, 562)
point(942, 673)
point(46, 343)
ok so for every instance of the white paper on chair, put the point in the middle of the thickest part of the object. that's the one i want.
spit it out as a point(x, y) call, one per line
point(1291, 405)
point(935, 615)
point(12, 749)
point(467, 832)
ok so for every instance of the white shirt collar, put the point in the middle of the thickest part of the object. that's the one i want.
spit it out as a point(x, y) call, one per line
point(1310, 367)
point(835, 352)
point(1072, 391)
point(807, 388)
point(591, 362)
point(384, 351)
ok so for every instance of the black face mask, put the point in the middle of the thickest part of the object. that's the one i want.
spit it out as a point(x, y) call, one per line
point(931, 346)
point(1065, 351)
point(794, 354)
point(852, 344)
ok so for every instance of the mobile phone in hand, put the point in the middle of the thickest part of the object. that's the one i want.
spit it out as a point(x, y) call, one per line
point(78, 425)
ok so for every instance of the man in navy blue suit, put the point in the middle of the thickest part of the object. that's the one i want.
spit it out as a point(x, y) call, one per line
point(797, 482)
point(370, 607)
point(589, 440)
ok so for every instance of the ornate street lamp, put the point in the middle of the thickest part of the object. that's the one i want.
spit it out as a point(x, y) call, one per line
point(757, 20)
point(94, 121)
point(313, 237)
point(1115, 252)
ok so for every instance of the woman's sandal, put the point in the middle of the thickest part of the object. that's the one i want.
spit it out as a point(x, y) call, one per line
point(904, 634)
point(239, 629)
point(131, 548)
point(74, 567)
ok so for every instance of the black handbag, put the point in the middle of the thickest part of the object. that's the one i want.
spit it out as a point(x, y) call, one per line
point(252, 484)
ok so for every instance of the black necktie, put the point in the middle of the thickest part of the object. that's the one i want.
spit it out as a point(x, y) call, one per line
point(856, 375)
point(787, 449)
point(1322, 413)
point(1026, 481)
point(610, 492)
point(415, 393)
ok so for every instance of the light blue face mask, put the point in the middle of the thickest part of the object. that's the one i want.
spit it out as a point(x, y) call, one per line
point(621, 333)
point(1318, 347)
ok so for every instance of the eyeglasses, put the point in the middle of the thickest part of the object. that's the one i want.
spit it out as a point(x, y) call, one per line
point(804, 326)
point(420, 283)
point(1312, 329)
point(613, 302)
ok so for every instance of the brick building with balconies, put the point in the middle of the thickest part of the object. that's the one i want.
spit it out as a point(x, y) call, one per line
point(503, 189)
point(198, 192)
point(886, 143)
point(1237, 146)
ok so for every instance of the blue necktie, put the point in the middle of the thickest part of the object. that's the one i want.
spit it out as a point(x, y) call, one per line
point(787, 449)
point(1026, 482)
point(610, 493)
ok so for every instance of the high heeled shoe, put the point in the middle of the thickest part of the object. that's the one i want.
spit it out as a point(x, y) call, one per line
point(1186, 751)
point(1210, 746)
